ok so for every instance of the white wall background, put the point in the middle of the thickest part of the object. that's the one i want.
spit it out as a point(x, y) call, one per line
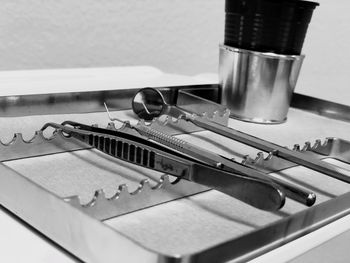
point(326, 68)
point(174, 35)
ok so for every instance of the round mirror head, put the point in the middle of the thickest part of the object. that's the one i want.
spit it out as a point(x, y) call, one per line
point(148, 103)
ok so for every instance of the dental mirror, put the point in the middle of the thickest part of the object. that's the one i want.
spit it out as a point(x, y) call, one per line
point(149, 103)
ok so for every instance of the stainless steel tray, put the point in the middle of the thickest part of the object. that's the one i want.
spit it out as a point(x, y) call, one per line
point(97, 235)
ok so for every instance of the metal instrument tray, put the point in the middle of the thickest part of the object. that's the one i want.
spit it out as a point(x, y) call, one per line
point(41, 179)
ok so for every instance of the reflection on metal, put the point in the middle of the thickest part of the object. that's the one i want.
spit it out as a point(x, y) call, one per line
point(100, 208)
point(149, 103)
point(274, 235)
point(77, 229)
point(194, 103)
point(39, 145)
point(146, 195)
point(172, 126)
point(65, 224)
point(335, 148)
point(80, 234)
point(167, 154)
point(257, 86)
point(274, 149)
point(173, 119)
point(321, 107)
point(84, 102)
point(91, 101)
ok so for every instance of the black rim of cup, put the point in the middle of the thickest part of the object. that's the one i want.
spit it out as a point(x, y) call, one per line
point(277, 26)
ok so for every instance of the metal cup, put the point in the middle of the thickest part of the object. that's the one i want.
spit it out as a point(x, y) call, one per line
point(257, 86)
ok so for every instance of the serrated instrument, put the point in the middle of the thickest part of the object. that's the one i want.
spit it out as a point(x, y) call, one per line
point(257, 192)
point(182, 147)
point(275, 149)
point(155, 106)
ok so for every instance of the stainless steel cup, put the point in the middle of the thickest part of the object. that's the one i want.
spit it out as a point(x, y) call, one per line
point(257, 86)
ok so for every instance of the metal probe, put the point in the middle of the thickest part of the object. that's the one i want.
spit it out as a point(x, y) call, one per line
point(296, 193)
point(152, 99)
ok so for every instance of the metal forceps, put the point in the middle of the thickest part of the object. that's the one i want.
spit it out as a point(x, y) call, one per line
point(260, 193)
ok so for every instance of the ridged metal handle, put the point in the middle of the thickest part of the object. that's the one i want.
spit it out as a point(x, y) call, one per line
point(270, 197)
point(256, 192)
point(162, 138)
point(181, 146)
point(296, 193)
point(123, 150)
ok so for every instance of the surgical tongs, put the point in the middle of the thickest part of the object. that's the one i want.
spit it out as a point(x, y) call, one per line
point(260, 193)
